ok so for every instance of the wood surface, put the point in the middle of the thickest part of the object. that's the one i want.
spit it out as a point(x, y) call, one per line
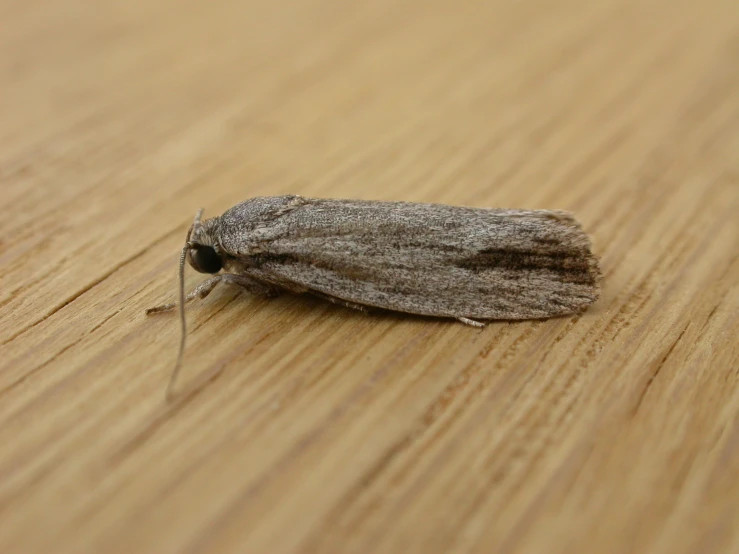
point(304, 427)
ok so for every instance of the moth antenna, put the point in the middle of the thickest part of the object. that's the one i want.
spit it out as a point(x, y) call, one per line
point(183, 323)
point(196, 223)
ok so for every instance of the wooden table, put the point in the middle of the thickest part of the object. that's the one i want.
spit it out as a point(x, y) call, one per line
point(306, 427)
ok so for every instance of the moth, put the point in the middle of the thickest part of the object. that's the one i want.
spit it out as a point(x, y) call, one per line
point(470, 264)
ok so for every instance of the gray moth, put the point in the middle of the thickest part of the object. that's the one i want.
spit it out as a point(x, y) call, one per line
point(471, 264)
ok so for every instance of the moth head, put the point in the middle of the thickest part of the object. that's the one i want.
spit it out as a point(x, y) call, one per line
point(204, 259)
point(202, 253)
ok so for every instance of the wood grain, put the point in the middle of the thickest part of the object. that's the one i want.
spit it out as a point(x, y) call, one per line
point(306, 427)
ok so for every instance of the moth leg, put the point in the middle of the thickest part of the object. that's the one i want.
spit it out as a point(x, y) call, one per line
point(471, 322)
point(251, 285)
point(206, 287)
point(341, 302)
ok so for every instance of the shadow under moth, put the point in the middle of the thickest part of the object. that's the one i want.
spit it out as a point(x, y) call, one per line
point(471, 264)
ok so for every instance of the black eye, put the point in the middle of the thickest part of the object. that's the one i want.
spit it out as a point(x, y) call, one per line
point(205, 260)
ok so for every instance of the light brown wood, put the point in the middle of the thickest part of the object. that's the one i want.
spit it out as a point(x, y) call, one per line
point(306, 427)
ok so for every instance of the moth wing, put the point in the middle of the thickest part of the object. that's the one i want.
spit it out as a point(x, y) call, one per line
point(435, 260)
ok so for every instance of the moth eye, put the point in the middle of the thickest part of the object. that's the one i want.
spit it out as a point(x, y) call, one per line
point(205, 259)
